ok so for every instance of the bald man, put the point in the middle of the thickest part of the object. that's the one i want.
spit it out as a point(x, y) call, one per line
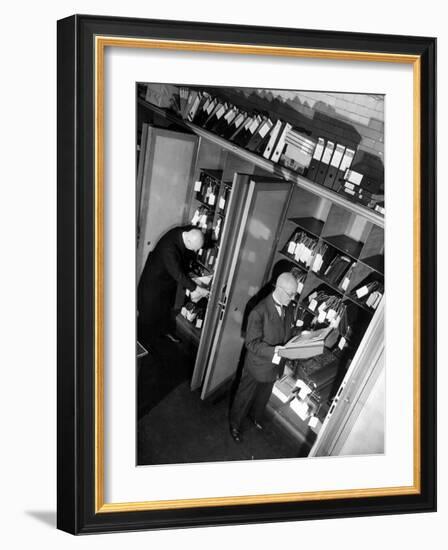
point(167, 267)
point(270, 325)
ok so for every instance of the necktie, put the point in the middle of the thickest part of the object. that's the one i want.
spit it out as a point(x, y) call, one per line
point(280, 309)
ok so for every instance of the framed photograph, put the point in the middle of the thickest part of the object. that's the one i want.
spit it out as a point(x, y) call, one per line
point(246, 274)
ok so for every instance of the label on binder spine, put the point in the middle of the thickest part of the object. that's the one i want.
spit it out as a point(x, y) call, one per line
point(328, 152)
point(291, 247)
point(335, 322)
point(337, 156)
point(305, 256)
point(298, 251)
point(319, 149)
point(253, 126)
point(312, 305)
point(362, 291)
point(220, 112)
point(222, 203)
point(322, 316)
point(317, 263)
point(198, 323)
point(345, 283)
point(342, 343)
point(197, 185)
point(265, 130)
point(195, 218)
point(331, 314)
point(313, 422)
point(210, 107)
point(239, 120)
point(347, 159)
point(211, 199)
point(230, 115)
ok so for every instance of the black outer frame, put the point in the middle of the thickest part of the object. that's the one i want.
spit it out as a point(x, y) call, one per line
point(75, 381)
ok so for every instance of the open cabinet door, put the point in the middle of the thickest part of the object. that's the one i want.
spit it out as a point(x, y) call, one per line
point(255, 213)
point(164, 177)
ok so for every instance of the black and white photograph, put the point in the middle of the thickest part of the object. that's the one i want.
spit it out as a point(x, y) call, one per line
point(260, 281)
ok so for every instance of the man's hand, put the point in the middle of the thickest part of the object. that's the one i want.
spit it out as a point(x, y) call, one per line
point(198, 293)
point(203, 281)
point(278, 350)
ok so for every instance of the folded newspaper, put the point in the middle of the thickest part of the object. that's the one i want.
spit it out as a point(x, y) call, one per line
point(307, 344)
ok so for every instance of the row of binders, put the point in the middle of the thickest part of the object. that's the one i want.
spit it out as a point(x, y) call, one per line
point(302, 248)
point(194, 312)
point(323, 161)
point(204, 219)
point(353, 188)
point(369, 293)
point(331, 167)
point(322, 258)
point(273, 139)
point(212, 192)
point(337, 271)
point(331, 266)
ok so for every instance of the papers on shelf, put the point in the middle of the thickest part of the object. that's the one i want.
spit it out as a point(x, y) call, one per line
point(300, 408)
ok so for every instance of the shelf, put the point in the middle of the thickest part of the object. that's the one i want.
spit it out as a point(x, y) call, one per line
point(361, 304)
point(353, 200)
point(200, 201)
point(188, 328)
point(215, 174)
point(311, 225)
point(345, 244)
point(204, 266)
point(328, 283)
point(308, 310)
point(375, 262)
point(283, 413)
point(270, 166)
point(292, 260)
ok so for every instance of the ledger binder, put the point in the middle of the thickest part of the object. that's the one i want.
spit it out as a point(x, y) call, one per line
point(333, 169)
point(315, 161)
point(325, 161)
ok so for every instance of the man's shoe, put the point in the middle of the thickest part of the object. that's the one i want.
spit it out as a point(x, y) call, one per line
point(257, 425)
point(236, 435)
point(173, 338)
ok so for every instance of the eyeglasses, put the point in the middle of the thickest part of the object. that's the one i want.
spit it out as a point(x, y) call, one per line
point(289, 294)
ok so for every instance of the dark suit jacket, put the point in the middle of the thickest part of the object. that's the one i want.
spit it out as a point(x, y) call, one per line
point(166, 267)
point(265, 330)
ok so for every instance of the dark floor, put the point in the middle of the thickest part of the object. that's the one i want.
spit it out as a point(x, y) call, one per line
point(165, 367)
point(175, 426)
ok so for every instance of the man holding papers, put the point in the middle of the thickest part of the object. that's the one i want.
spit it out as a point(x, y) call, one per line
point(270, 325)
point(167, 267)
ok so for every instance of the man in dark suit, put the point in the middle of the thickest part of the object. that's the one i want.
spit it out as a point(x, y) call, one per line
point(270, 325)
point(166, 267)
